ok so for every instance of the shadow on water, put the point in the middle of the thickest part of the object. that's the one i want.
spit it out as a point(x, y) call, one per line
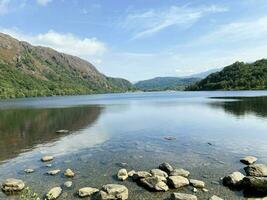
point(243, 105)
point(22, 129)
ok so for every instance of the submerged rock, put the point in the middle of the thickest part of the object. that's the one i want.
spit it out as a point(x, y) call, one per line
point(113, 192)
point(141, 174)
point(214, 197)
point(47, 158)
point(180, 172)
point(182, 196)
point(13, 185)
point(248, 160)
point(131, 173)
point(166, 167)
point(255, 184)
point(158, 172)
point(256, 170)
point(53, 172)
point(69, 173)
point(54, 193)
point(122, 174)
point(197, 183)
point(177, 181)
point(87, 191)
point(68, 184)
point(154, 184)
point(233, 180)
point(28, 171)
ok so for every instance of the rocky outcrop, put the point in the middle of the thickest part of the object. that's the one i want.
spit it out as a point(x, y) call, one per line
point(12, 185)
point(256, 170)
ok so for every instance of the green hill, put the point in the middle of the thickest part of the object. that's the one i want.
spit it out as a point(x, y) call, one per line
point(165, 83)
point(238, 76)
point(29, 71)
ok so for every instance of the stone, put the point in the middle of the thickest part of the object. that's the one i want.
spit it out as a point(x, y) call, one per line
point(68, 184)
point(131, 173)
point(205, 190)
point(195, 190)
point(141, 174)
point(233, 180)
point(158, 172)
point(169, 138)
point(166, 167)
point(154, 184)
point(214, 197)
point(197, 183)
point(62, 131)
point(182, 196)
point(248, 160)
point(53, 172)
point(87, 191)
point(257, 184)
point(48, 165)
point(113, 192)
point(180, 172)
point(69, 173)
point(256, 170)
point(177, 181)
point(122, 174)
point(47, 158)
point(54, 193)
point(28, 171)
point(13, 185)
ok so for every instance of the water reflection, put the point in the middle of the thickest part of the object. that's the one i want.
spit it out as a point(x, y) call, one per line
point(22, 129)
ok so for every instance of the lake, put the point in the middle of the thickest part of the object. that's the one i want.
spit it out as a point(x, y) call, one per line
point(212, 131)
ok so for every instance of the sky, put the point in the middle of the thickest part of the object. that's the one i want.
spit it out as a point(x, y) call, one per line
point(142, 39)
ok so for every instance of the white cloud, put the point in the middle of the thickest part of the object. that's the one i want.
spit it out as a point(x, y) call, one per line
point(67, 43)
point(152, 21)
point(43, 2)
point(4, 7)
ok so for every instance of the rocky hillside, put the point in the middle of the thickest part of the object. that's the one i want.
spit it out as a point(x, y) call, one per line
point(238, 76)
point(27, 70)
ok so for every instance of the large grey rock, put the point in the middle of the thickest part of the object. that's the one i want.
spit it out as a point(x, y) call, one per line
point(180, 172)
point(197, 183)
point(177, 181)
point(158, 172)
point(54, 193)
point(122, 174)
point(214, 197)
point(256, 170)
point(258, 184)
point(13, 185)
point(141, 174)
point(234, 180)
point(154, 183)
point(87, 191)
point(182, 196)
point(47, 158)
point(69, 173)
point(113, 192)
point(166, 167)
point(248, 160)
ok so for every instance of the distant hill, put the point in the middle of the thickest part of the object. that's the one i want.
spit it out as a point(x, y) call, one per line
point(238, 76)
point(204, 74)
point(165, 83)
point(28, 71)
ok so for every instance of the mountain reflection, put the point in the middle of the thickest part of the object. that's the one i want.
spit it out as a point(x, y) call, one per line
point(22, 129)
point(244, 105)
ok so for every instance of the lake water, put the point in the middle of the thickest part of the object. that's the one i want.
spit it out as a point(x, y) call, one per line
point(106, 130)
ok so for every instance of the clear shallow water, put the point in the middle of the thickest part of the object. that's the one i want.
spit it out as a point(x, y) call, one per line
point(106, 130)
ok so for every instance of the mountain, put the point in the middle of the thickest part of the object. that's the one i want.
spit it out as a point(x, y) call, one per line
point(204, 74)
point(165, 83)
point(238, 76)
point(27, 70)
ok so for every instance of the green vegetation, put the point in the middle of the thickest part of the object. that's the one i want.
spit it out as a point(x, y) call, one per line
point(27, 194)
point(165, 83)
point(238, 76)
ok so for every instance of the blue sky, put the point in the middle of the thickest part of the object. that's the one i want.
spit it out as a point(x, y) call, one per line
point(141, 39)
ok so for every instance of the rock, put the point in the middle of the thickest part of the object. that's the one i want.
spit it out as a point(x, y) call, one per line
point(131, 173)
point(48, 165)
point(180, 172)
point(53, 172)
point(69, 173)
point(47, 158)
point(54, 193)
point(177, 181)
point(158, 172)
point(62, 131)
point(122, 164)
point(141, 174)
point(166, 167)
point(13, 185)
point(205, 190)
point(257, 184)
point(248, 160)
point(154, 184)
point(122, 174)
point(113, 192)
point(214, 197)
point(197, 183)
point(256, 170)
point(28, 171)
point(169, 138)
point(68, 184)
point(233, 180)
point(195, 190)
point(87, 191)
point(182, 196)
